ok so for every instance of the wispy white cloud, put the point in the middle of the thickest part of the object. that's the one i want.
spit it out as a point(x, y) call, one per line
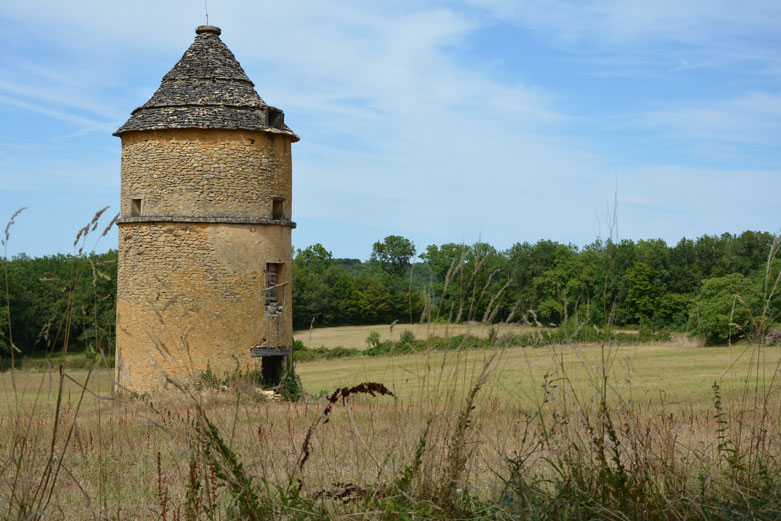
point(87, 124)
point(309, 56)
point(753, 117)
point(714, 32)
point(636, 21)
point(57, 95)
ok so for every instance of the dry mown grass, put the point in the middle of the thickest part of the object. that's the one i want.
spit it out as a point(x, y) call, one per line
point(682, 374)
point(355, 336)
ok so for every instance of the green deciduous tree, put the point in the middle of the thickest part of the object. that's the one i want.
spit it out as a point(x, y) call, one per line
point(314, 258)
point(393, 254)
point(721, 302)
point(642, 293)
point(672, 310)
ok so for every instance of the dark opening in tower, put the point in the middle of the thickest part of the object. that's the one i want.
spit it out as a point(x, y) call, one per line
point(276, 118)
point(277, 208)
point(135, 207)
point(272, 289)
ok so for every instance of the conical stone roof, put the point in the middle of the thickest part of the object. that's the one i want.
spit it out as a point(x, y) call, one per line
point(207, 88)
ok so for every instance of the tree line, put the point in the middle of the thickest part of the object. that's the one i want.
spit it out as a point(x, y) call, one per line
point(56, 301)
point(698, 285)
point(713, 286)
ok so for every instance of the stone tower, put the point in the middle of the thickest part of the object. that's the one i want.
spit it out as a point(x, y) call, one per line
point(204, 233)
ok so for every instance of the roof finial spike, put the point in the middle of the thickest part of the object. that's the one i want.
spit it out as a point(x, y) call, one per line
point(206, 8)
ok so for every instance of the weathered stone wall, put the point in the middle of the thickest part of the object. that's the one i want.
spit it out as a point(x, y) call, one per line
point(192, 294)
point(205, 172)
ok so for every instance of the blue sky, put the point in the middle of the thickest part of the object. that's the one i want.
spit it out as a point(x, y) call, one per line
point(439, 121)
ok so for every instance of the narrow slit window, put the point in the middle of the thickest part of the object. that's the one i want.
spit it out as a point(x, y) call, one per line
point(278, 208)
point(273, 278)
point(135, 207)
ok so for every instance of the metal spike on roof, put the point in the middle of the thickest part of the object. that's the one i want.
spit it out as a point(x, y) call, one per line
point(207, 88)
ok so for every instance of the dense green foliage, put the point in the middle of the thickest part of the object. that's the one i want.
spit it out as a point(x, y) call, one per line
point(58, 299)
point(645, 284)
point(717, 306)
point(327, 293)
point(701, 286)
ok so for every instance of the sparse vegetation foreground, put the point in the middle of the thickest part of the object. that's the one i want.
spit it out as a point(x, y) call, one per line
point(581, 423)
point(540, 433)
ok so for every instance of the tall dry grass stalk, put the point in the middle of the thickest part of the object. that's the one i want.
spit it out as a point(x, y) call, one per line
point(34, 461)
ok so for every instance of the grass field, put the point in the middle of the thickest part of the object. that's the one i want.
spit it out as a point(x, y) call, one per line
point(35, 390)
point(525, 441)
point(680, 374)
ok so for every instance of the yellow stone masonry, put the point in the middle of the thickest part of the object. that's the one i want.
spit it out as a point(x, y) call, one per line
point(205, 172)
point(205, 216)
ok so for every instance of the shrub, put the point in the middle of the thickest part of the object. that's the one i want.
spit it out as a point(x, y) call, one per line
point(407, 337)
point(373, 340)
point(341, 352)
point(209, 379)
point(322, 352)
point(290, 386)
point(645, 334)
point(379, 349)
point(720, 303)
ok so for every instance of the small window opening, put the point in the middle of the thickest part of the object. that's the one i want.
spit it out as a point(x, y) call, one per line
point(135, 207)
point(278, 208)
point(276, 118)
point(273, 277)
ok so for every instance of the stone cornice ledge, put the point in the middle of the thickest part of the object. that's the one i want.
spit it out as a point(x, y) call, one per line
point(213, 219)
